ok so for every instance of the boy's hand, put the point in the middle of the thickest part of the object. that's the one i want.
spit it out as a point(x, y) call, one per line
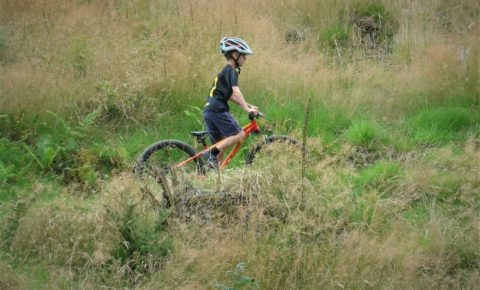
point(252, 107)
point(253, 111)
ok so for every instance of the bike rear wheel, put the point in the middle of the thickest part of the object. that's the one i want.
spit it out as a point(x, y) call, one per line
point(164, 181)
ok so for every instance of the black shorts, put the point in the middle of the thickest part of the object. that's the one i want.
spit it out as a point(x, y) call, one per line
point(220, 125)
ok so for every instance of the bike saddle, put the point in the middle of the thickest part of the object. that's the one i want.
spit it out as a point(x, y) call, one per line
point(200, 134)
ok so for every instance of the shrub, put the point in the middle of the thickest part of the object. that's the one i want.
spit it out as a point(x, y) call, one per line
point(367, 134)
point(372, 23)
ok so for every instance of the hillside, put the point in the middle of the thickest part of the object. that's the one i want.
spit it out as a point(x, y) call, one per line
point(385, 93)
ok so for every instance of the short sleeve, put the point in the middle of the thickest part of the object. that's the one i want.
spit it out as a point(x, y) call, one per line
point(232, 78)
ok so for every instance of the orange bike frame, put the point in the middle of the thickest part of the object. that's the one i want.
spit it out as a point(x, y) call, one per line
point(251, 127)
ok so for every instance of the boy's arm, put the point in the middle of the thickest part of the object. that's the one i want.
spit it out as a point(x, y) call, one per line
point(237, 98)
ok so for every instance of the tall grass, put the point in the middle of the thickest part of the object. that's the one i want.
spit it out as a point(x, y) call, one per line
point(159, 56)
point(385, 237)
point(389, 197)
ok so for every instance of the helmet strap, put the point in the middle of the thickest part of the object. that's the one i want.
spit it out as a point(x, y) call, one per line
point(236, 62)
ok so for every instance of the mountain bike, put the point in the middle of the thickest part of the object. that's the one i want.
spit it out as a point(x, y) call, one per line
point(170, 167)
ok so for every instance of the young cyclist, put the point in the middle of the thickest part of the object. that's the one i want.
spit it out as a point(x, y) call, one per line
point(221, 125)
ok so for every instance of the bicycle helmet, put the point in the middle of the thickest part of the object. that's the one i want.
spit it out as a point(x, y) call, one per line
point(228, 44)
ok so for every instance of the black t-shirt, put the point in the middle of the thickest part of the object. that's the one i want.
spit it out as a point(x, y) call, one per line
point(222, 90)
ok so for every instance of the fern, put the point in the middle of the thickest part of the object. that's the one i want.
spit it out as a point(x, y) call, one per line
point(88, 121)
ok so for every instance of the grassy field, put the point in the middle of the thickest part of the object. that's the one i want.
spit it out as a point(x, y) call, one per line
point(390, 195)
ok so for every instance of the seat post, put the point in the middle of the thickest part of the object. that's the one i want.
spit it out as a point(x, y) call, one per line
point(201, 137)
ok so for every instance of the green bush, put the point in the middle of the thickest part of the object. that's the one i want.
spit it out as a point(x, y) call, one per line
point(367, 134)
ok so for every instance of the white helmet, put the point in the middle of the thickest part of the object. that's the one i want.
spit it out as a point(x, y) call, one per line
point(228, 44)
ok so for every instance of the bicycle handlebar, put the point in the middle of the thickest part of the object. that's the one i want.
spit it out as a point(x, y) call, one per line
point(258, 115)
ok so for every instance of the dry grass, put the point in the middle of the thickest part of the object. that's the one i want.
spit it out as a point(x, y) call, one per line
point(405, 240)
point(409, 238)
point(59, 51)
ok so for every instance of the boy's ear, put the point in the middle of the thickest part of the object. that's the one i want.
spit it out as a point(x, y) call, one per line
point(235, 54)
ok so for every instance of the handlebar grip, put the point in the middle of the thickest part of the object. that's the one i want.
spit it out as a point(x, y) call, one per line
point(253, 116)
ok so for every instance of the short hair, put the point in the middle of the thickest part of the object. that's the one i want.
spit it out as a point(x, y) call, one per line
point(228, 54)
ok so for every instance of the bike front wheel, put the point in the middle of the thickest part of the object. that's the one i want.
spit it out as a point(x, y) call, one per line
point(161, 176)
point(277, 146)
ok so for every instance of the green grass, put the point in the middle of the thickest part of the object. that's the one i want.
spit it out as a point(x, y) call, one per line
point(336, 36)
point(381, 177)
point(438, 126)
point(364, 200)
point(144, 242)
point(15, 163)
point(367, 134)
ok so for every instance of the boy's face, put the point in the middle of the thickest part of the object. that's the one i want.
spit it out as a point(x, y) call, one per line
point(242, 59)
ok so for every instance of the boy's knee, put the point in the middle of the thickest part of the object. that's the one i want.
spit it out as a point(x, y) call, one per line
point(241, 135)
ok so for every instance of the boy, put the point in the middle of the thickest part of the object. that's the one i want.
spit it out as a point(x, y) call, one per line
point(221, 125)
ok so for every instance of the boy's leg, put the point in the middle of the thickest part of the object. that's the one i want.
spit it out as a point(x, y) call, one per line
point(232, 140)
point(227, 126)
